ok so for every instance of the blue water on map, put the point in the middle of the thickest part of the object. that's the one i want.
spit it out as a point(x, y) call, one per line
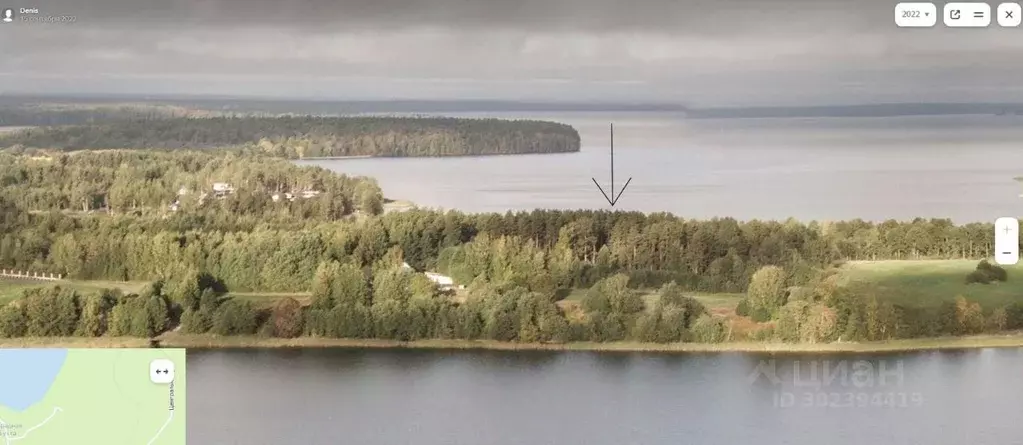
point(27, 374)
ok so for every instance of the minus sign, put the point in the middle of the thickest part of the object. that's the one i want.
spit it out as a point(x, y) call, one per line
point(1006, 253)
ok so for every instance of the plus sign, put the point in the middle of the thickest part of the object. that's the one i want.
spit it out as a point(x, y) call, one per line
point(1007, 229)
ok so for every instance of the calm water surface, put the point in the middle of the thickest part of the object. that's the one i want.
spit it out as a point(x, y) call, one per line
point(390, 397)
point(959, 167)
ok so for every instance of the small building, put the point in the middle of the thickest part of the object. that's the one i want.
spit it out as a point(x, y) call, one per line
point(442, 281)
point(306, 194)
point(405, 266)
point(222, 189)
point(183, 191)
point(175, 206)
point(275, 197)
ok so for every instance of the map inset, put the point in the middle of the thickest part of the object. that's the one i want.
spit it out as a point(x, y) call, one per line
point(108, 396)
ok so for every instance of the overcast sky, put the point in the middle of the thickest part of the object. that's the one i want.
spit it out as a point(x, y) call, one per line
point(703, 53)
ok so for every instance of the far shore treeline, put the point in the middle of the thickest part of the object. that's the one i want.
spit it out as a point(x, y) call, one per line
point(340, 261)
point(308, 136)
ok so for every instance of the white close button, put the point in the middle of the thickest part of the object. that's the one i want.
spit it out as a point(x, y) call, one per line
point(1007, 241)
point(967, 15)
point(916, 15)
point(1009, 15)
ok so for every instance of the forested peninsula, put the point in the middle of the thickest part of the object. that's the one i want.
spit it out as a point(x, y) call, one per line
point(216, 247)
point(296, 137)
point(18, 114)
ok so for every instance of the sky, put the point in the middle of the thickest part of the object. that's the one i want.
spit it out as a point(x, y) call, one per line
point(696, 53)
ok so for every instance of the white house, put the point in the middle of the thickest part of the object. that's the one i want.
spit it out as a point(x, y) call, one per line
point(221, 189)
point(306, 194)
point(443, 282)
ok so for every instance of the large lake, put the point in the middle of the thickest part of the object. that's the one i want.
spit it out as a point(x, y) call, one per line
point(392, 397)
point(959, 167)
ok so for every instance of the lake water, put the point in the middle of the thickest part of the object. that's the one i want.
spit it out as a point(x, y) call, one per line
point(959, 167)
point(27, 374)
point(391, 397)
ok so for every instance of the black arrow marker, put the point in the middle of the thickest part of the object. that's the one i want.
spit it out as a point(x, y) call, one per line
point(612, 195)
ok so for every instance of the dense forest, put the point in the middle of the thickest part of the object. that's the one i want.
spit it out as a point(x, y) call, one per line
point(308, 136)
point(540, 249)
point(102, 215)
point(52, 114)
point(140, 182)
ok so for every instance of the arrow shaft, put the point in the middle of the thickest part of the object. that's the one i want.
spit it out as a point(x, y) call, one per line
point(612, 159)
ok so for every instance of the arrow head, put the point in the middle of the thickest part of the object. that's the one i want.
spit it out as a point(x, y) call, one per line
point(608, 198)
point(620, 192)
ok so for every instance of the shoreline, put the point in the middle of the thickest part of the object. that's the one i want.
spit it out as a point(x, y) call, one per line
point(333, 158)
point(173, 340)
point(480, 155)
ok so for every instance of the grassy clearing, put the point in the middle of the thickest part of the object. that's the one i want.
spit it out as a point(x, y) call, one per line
point(720, 302)
point(11, 289)
point(930, 282)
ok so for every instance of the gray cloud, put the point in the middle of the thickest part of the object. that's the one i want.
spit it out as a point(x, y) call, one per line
point(702, 51)
point(686, 16)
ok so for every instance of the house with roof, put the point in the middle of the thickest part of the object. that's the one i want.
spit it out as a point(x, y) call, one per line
point(442, 281)
point(222, 189)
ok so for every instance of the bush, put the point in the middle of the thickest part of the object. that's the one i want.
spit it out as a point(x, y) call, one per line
point(977, 277)
point(235, 317)
point(708, 329)
point(286, 319)
point(986, 273)
point(742, 309)
point(13, 321)
point(996, 273)
point(196, 322)
point(1014, 316)
point(767, 288)
point(760, 315)
point(998, 320)
point(765, 333)
point(51, 312)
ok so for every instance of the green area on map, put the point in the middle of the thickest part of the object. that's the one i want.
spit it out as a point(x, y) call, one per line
point(91, 396)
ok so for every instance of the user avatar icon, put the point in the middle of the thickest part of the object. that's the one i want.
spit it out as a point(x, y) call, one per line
point(8, 15)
